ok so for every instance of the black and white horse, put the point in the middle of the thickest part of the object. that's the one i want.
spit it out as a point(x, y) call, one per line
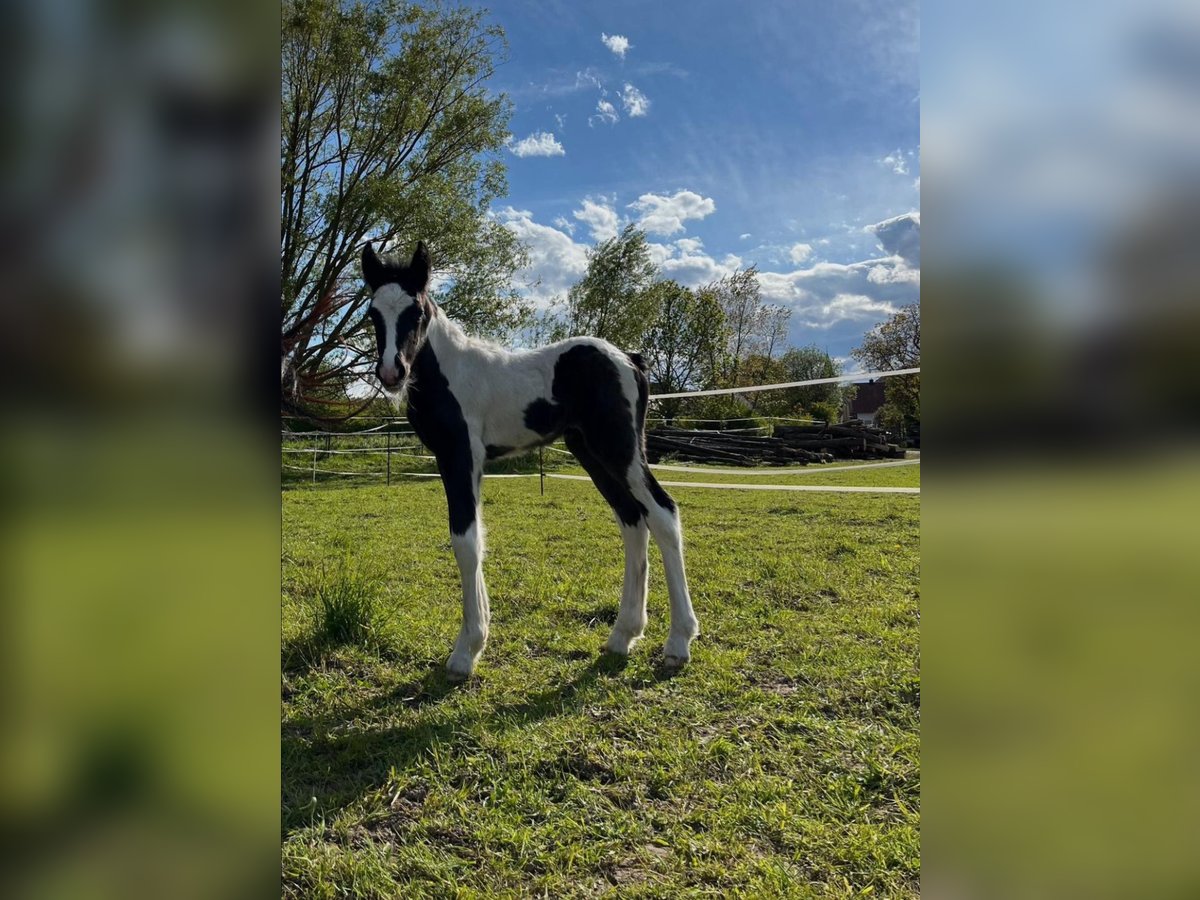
point(469, 400)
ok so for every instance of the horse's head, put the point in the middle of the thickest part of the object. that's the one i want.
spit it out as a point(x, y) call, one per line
point(400, 312)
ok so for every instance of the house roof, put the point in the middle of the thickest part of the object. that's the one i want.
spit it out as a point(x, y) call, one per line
point(868, 398)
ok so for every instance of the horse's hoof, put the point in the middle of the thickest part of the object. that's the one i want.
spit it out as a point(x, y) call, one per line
point(619, 646)
point(457, 673)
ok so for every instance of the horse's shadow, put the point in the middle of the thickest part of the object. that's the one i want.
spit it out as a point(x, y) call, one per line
point(327, 764)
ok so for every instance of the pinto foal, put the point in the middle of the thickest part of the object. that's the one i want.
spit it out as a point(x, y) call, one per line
point(469, 401)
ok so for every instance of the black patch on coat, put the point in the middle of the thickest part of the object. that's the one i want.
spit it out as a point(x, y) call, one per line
point(661, 497)
point(437, 418)
point(380, 330)
point(380, 270)
point(544, 417)
point(627, 507)
point(643, 401)
point(495, 451)
point(410, 328)
point(587, 391)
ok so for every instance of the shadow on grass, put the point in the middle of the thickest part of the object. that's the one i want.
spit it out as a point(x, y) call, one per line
point(327, 764)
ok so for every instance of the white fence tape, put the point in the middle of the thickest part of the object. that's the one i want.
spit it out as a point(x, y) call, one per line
point(376, 431)
point(811, 470)
point(806, 488)
point(810, 488)
point(384, 450)
point(861, 376)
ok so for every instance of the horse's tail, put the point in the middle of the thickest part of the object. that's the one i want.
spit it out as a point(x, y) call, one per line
point(640, 368)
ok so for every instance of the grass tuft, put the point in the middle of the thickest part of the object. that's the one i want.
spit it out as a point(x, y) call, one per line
point(347, 606)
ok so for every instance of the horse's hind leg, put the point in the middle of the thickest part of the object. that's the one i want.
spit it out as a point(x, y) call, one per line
point(662, 516)
point(631, 617)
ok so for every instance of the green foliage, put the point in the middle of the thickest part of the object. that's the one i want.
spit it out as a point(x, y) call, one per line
point(683, 345)
point(388, 131)
point(824, 412)
point(820, 401)
point(613, 300)
point(750, 326)
point(896, 344)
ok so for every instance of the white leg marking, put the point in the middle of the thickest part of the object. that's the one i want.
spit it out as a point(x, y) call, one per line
point(468, 551)
point(631, 618)
point(668, 534)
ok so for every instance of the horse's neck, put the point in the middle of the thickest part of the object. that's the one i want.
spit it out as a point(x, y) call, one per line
point(453, 348)
point(459, 358)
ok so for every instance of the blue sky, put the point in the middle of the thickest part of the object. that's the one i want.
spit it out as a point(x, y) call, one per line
point(768, 133)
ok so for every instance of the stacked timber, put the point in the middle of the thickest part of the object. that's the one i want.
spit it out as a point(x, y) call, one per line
point(790, 445)
point(850, 440)
point(727, 449)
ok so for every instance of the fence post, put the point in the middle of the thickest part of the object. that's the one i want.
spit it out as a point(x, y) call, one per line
point(389, 459)
point(542, 470)
point(315, 451)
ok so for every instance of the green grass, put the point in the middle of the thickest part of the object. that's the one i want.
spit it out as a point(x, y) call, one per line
point(783, 761)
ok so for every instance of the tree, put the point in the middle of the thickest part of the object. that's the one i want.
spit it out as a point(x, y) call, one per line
point(613, 300)
point(896, 344)
point(389, 132)
point(683, 344)
point(821, 401)
point(739, 297)
point(760, 366)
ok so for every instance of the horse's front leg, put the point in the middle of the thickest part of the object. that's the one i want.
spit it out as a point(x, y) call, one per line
point(462, 476)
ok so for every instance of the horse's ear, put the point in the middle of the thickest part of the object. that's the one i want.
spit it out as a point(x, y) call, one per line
point(372, 267)
point(420, 266)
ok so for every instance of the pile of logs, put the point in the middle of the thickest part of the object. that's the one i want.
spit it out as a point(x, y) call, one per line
point(790, 445)
point(851, 440)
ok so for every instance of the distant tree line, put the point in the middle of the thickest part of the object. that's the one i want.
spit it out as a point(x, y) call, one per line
point(719, 335)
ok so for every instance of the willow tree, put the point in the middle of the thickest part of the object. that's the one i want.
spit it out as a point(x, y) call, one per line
point(389, 133)
point(613, 299)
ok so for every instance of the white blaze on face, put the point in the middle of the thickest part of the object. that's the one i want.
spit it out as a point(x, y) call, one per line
point(390, 301)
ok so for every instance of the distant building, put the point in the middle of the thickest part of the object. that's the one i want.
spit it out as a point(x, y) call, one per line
point(865, 404)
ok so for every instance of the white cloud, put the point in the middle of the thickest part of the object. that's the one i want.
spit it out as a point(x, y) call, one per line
point(540, 143)
point(694, 269)
point(896, 162)
point(605, 112)
point(665, 215)
point(850, 296)
point(617, 43)
point(744, 236)
point(561, 120)
point(900, 236)
point(586, 78)
point(894, 270)
point(800, 252)
point(852, 307)
point(635, 102)
point(660, 253)
point(602, 220)
point(555, 261)
point(839, 300)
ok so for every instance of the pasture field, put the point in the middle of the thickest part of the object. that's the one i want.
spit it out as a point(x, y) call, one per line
point(782, 762)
